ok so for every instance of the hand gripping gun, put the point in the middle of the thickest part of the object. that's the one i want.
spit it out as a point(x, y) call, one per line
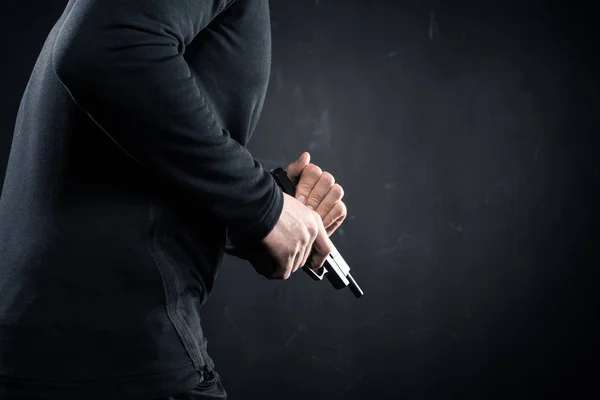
point(335, 269)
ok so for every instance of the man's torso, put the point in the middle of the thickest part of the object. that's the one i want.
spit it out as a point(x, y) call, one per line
point(102, 270)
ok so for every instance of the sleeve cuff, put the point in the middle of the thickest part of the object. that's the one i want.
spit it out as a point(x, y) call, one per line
point(250, 235)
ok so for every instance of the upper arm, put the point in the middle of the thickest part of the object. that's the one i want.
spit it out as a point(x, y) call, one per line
point(97, 30)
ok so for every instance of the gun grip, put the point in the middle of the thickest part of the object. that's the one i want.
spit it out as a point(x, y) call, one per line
point(284, 182)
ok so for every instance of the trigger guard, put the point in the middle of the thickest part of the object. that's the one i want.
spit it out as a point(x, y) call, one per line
point(316, 275)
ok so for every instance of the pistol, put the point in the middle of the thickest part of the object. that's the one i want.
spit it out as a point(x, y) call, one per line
point(335, 269)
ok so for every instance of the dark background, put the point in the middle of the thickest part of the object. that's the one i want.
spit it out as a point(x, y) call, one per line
point(466, 135)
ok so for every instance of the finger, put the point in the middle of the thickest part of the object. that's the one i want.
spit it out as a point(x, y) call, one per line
point(320, 190)
point(297, 262)
point(272, 265)
point(334, 226)
point(338, 211)
point(275, 273)
point(294, 169)
point(309, 178)
point(264, 265)
point(303, 258)
point(322, 246)
point(306, 254)
point(327, 205)
point(283, 272)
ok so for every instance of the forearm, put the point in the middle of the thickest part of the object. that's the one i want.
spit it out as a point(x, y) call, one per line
point(122, 62)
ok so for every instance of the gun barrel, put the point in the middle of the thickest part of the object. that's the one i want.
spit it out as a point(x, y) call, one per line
point(356, 290)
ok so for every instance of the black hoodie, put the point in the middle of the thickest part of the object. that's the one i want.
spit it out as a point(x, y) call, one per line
point(127, 168)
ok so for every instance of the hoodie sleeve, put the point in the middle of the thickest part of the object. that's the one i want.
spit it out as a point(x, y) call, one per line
point(122, 63)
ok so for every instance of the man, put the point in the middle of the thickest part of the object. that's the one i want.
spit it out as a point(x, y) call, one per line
point(128, 172)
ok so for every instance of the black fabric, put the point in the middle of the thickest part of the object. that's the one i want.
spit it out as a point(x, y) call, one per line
point(127, 168)
point(211, 388)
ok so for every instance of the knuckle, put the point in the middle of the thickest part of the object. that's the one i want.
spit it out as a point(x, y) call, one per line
point(330, 219)
point(317, 218)
point(303, 188)
point(337, 191)
point(344, 209)
point(340, 211)
point(312, 169)
point(313, 230)
point(314, 200)
point(328, 178)
point(322, 214)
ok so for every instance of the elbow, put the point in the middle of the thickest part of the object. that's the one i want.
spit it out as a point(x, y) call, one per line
point(73, 58)
point(76, 64)
point(70, 66)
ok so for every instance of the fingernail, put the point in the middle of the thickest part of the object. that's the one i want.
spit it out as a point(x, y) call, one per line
point(310, 207)
point(302, 199)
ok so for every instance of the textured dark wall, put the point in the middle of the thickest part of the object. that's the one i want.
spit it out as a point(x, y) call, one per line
point(467, 138)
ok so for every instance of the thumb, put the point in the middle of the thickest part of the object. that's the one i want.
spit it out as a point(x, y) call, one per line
point(294, 170)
